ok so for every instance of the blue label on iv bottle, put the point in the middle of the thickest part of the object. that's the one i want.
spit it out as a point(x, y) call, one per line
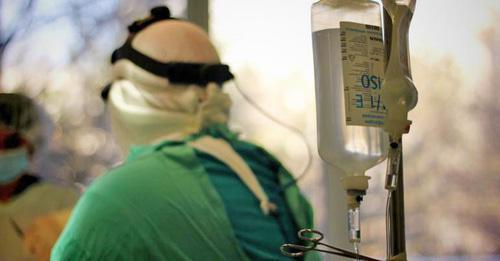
point(363, 67)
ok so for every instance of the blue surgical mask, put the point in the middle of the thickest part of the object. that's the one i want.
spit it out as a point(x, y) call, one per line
point(13, 163)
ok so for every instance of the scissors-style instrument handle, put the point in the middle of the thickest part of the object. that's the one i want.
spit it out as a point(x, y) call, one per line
point(293, 250)
point(310, 235)
point(313, 239)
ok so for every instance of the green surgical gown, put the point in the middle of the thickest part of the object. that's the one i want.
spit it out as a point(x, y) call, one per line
point(171, 202)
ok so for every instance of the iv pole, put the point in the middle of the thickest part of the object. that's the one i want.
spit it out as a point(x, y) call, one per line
point(400, 96)
point(396, 24)
point(396, 242)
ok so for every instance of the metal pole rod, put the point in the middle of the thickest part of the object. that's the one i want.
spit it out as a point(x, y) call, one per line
point(397, 215)
point(397, 237)
point(198, 12)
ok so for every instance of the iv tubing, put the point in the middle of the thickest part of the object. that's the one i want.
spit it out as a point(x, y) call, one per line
point(289, 127)
point(388, 223)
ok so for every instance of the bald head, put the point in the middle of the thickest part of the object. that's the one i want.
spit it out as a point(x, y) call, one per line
point(175, 41)
point(145, 106)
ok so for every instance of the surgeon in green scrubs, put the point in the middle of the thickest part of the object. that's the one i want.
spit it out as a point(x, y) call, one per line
point(190, 189)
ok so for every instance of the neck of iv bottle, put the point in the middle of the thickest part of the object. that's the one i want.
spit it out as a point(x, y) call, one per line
point(348, 107)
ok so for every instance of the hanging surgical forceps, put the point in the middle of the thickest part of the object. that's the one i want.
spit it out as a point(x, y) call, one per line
point(313, 239)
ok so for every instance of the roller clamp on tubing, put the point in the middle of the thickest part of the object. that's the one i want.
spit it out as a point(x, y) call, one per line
point(394, 160)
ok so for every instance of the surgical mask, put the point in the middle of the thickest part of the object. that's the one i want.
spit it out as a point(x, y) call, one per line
point(12, 164)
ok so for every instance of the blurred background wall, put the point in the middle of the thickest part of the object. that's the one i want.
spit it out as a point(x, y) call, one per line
point(58, 52)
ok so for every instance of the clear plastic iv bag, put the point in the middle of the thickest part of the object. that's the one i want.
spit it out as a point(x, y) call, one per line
point(349, 123)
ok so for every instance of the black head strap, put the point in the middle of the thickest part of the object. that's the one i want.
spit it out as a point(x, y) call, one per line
point(176, 72)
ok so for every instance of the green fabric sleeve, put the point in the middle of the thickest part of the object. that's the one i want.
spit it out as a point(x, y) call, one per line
point(159, 207)
point(80, 240)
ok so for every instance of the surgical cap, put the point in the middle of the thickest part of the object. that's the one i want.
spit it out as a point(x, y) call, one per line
point(22, 115)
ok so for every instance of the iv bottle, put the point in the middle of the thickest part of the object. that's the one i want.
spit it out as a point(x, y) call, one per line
point(352, 148)
point(348, 73)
